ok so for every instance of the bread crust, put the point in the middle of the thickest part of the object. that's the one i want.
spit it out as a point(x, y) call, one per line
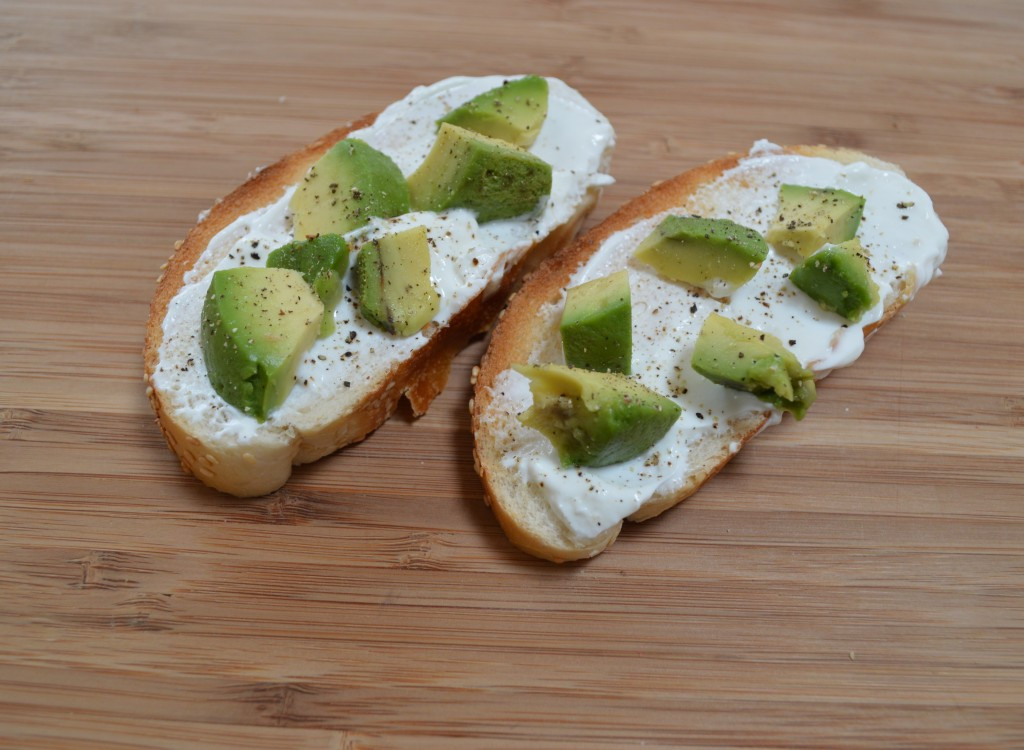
point(420, 378)
point(516, 335)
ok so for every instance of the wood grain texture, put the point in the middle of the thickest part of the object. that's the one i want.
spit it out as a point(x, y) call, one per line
point(856, 580)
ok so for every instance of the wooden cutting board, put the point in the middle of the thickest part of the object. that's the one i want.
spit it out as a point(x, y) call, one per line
point(854, 580)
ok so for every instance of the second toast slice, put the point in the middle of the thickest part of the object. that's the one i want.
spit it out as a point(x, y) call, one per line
point(560, 510)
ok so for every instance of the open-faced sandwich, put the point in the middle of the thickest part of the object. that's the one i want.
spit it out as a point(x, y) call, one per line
point(631, 367)
point(305, 304)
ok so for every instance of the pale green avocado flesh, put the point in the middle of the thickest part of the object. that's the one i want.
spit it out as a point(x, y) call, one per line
point(392, 282)
point(468, 170)
point(810, 217)
point(322, 261)
point(839, 279)
point(595, 418)
point(740, 357)
point(350, 184)
point(513, 112)
point(256, 325)
point(717, 255)
point(597, 325)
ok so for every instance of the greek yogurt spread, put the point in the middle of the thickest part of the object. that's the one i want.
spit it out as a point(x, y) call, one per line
point(466, 259)
point(905, 241)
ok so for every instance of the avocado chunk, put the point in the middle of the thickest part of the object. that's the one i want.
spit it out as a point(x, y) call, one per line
point(469, 170)
point(595, 418)
point(513, 112)
point(349, 185)
point(809, 217)
point(392, 282)
point(839, 279)
point(256, 325)
point(597, 325)
point(736, 356)
point(717, 255)
point(322, 261)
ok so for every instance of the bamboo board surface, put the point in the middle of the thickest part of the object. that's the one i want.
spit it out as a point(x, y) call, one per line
point(856, 580)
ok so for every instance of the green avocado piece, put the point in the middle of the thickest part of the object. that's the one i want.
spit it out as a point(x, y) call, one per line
point(469, 170)
point(809, 217)
point(595, 418)
point(392, 282)
point(736, 356)
point(322, 261)
point(349, 185)
point(256, 325)
point(597, 325)
point(839, 279)
point(717, 255)
point(513, 112)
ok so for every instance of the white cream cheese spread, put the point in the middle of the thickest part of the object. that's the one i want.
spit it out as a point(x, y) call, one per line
point(466, 259)
point(906, 243)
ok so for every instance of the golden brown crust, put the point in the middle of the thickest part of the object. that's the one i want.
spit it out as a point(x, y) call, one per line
point(246, 471)
point(516, 335)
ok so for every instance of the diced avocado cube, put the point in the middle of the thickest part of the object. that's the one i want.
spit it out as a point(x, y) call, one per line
point(392, 282)
point(809, 217)
point(322, 261)
point(469, 170)
point(597, 325)
point(839, 279)
point(717, 255)
point(740, 357)
point(513, 112)
point(595, 418)
point(349, 185)
point(256, 325)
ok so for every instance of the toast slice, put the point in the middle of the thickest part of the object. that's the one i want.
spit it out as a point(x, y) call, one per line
point(350, 381)
point(572, 513)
